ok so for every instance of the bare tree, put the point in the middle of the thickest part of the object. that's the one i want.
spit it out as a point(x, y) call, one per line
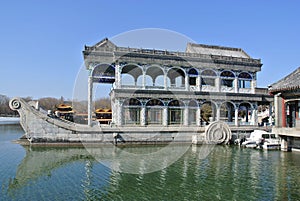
point(103, 103)
point(4, 107)
point(49, 103)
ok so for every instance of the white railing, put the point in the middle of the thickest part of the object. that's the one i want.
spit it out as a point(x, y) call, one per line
point(227, 89)
point(172, 53)
point(209, 88)
point(245, 90)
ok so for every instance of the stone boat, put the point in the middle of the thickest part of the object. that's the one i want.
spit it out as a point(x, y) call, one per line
point(40, 128)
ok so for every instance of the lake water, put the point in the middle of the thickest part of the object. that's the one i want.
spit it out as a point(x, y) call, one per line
point(202, 173)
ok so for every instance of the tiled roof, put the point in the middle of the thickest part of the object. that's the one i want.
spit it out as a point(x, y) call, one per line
point(216, 50)
point(290, 82)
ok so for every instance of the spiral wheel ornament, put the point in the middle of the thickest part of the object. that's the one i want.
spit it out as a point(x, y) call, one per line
point(218, 133)
point(14, 104)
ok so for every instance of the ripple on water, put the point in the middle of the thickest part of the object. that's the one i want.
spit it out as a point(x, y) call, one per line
point(213, 173)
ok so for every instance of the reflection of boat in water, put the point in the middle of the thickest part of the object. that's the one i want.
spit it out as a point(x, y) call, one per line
point(262, 139)
point(41, 161)
point(44, 161)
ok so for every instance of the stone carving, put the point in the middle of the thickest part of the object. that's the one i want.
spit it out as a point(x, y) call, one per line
point(218, 132)
point(15, 104)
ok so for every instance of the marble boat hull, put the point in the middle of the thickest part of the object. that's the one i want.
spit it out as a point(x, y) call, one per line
point(40, 128)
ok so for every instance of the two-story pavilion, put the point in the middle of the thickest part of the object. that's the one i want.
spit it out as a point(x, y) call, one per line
point(287, 110)
point(162, 88)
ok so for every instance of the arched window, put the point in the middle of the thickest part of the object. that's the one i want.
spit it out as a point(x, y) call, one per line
point(193, 74)
point(208, 112)
point(208, 77)
point(227, 78)
point(176, 112)
point(154, 111)
point(245, 113)
point(131, 111)
point(156, 74)
point(130, 74)
point(193, 107)
point(104, 73)
point(227, 112)
point(176, 78)
point(245, 80)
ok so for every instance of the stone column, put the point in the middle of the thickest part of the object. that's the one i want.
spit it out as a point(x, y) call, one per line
point(236, 85)
point(236, 116)
point(144, 80)
point(218, 112)
point(254, 117)
point(118, 76)
point(119, 112)
point(143, 115)
point(165, 116)
point(198, 83)
point(253, 86)
point(218, 84)
point(114, 109)
point(186, 116)
point(165, 80)
point(187, 85)
point(90, 100)
point(198, 117)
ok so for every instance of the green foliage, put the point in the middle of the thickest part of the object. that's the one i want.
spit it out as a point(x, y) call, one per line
point(206, 112)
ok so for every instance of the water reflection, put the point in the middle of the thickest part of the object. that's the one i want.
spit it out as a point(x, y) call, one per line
point(202, 173)
point(41, 161)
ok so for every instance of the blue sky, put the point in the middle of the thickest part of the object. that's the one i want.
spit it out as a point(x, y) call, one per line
point(42, 41)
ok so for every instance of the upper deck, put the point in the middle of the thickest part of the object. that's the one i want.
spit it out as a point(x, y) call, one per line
point(215, 57)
